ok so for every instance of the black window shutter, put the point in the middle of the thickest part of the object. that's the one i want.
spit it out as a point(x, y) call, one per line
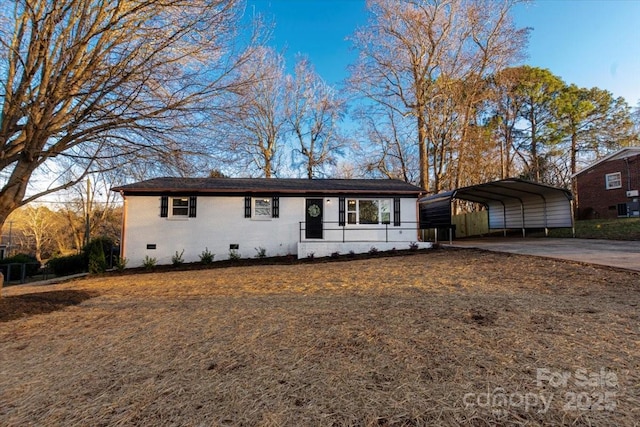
point(341, 214)
point(396, 211)
point(247, 207)
point(192, 206)
point(164, 206)
point(275, 207)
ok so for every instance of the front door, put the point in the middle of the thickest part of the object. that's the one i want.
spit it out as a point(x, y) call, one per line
point(313, 219)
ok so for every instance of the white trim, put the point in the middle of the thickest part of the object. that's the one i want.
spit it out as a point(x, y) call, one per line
point(388, 203)
point(261, 217)
point(617, 176)
point(172, 215)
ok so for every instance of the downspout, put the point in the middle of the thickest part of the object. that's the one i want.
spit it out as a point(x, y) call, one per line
point(124, 222)
point(626, 161)
point(419, 236)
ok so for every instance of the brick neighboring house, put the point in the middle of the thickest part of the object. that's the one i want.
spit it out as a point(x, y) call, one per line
point(609, 188)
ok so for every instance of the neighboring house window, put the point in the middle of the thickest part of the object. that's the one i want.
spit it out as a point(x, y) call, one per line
point(622, 209)
point(368, 211)
point(613, 180)
point(178, 207)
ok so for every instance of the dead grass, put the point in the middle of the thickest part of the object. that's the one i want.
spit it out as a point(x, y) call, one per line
point(412, 340)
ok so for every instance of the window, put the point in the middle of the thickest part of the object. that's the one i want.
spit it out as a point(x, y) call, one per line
point(261, 207)
point(178, 207)
point(622, 209)
point(366, 211)
point(613, 180)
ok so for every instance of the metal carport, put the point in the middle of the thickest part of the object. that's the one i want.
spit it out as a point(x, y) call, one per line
point(511, 204)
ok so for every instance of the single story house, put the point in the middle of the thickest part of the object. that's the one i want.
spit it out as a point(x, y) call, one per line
point(609, 187)
point(244, 216)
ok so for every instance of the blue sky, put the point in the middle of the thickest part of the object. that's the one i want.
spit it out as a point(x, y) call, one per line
point(586, 42)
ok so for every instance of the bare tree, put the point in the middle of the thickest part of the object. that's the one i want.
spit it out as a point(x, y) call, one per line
point(413, 52)
point(89, 85)
point(390, 151)
point(314, 111)
point(253, 122)
point(91, 209)
point(35, 229)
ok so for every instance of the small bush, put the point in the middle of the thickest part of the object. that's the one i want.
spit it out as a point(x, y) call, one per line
point(261, 252)
point(373, 250)
point(335, 254)
point(351, 254)
point(234, 255)
point(177, 259)
point(206, 257)
point(311, 256)
point(413, 246)
point(149, 262)
point(120, 263)
point(67, 265)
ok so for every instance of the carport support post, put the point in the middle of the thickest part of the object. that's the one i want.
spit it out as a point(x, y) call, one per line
point(504, 219)
point(523, 225)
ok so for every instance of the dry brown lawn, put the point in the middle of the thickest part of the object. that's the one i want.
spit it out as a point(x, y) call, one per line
point(446, 337)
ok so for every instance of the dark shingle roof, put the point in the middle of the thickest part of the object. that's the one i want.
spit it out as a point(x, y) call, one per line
point(272, 185)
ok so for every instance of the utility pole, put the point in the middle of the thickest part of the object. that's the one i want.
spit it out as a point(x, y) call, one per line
point(10, 237)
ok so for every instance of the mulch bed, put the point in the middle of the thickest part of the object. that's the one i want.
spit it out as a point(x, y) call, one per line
point(443, 337)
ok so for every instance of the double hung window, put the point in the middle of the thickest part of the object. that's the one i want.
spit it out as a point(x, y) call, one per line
point(178, 207)
point(613, 180)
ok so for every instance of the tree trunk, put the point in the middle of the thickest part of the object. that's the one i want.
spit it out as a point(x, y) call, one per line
point(423, 150)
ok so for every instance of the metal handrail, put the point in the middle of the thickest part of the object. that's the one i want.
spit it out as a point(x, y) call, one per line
point(328, 226)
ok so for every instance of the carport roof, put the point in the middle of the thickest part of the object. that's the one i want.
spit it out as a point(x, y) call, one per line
point(512, 203)
point(503, 190)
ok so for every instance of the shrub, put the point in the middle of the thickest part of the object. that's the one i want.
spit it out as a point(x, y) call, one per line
point(261, 252)
point(66, 265)
point(311, 256)
point(413, 246)
point(106, 244)
point(32, 266)
point(177, 259)
point(97, 262)
point(234, 255)
point(149, 262)
point(335, 254)
point(206, 257)
point(373, 250)
point(120, 263)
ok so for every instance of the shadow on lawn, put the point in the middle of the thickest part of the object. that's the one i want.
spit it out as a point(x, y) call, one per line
point(18, 306)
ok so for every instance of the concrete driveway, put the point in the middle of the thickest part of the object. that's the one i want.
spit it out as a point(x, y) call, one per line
point(613, 253)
